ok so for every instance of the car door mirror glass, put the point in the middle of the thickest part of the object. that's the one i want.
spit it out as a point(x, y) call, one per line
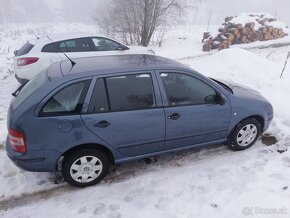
point(211, 99)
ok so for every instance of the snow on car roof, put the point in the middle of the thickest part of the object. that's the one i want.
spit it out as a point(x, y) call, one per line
point(62, 36)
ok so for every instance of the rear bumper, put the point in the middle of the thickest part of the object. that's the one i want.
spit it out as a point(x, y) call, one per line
point(36, 161)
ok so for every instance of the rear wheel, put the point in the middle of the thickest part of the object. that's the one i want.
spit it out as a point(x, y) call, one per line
point(245, 134)
point(85, 167)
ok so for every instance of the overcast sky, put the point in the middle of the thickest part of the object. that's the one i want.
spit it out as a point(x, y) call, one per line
point(84, 10)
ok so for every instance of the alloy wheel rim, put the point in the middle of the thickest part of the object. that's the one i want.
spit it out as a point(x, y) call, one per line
point(247, 135)
point(86, 169)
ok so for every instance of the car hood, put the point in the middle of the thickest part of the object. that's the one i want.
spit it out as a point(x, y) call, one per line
point(242, 90)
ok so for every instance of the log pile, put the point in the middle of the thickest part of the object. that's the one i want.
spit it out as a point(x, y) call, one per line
point(245, 29)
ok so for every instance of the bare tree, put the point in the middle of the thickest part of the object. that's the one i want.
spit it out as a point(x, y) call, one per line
point(135, 21)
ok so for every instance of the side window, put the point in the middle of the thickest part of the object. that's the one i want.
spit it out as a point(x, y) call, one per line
point(130, 92)
point(103, 44)
point(99, 101)
point(78, 45)
point(53, 48)
point(182, 89)
point(71, 45)
point(68, 100)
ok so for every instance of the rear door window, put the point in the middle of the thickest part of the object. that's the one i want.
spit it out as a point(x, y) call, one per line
point(25, 49)
point(123, 93)
point(130, 92)
point(67, 101)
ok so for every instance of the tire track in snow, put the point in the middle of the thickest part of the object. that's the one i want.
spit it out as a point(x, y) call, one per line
point(120, 173)
point(126, 171)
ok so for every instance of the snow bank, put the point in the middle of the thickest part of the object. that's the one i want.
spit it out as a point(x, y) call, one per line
point(245, 67)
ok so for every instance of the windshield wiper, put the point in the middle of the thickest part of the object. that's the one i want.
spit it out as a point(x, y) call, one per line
point(19, 89)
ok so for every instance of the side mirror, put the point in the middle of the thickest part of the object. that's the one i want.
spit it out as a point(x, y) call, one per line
point(220, 99)
point(15, 52)
point(210, 99)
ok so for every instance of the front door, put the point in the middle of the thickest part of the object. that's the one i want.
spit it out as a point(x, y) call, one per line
point(193, 116)
point(123, 112)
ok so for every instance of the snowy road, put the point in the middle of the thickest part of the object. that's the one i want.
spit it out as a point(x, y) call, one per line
point(212, 182)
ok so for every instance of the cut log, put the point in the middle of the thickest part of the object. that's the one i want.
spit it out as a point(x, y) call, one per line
point(233, 31)
point(227, 19)
point(270, 29)
point(244, 30)
point(263, 29)
point(222, 30)
point(230, 36)
point(272, 19)
point(223, 45)
point(236, 33)
point(239, 26)
point(206, 47)
point(244, 38)
point(250, 25)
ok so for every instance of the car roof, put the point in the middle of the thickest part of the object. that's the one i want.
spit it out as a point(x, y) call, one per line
point(119, 63)
point(62, 36)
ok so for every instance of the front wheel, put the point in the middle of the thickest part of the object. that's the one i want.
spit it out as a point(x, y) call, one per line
point(85, 167)
point(245, 134)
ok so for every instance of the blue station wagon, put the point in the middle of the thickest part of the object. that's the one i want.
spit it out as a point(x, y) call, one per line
point(98, 111)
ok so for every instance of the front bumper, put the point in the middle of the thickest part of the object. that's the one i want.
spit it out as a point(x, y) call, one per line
point(36, 161)
point(268, 117)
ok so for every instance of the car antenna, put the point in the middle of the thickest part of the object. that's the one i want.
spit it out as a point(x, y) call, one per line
point(71, 61)
point(35, 35)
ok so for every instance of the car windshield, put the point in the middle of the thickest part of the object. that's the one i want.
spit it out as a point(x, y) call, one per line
point(25, 91)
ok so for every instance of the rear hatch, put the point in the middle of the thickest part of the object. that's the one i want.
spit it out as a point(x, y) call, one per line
point(24, 50)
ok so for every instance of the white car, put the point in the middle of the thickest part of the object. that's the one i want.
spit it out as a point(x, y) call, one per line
point(38, 54)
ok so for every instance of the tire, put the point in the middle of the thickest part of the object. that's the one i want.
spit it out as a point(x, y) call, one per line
point(85, 167)
point(245, 134)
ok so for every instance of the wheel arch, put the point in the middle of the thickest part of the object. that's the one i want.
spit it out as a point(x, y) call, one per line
point(259, 118)
point(99, 147)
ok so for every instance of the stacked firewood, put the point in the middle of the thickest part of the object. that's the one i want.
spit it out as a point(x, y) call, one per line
point(231, 32)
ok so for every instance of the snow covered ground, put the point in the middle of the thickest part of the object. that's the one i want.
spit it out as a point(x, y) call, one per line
point(213, 182)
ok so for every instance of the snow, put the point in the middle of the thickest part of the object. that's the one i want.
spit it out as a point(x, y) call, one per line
point(212, 182)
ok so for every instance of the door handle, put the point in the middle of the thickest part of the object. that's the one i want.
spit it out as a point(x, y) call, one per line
point(174, 116)
point(102, 124)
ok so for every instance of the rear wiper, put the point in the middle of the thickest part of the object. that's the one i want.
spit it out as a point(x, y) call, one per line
point(19, 89)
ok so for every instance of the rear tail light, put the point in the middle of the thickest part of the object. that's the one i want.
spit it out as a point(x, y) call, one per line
point(17, 141)
point(26, 61)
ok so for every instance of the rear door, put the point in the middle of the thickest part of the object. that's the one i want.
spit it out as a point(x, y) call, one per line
point(125, 111)
point(193, 116)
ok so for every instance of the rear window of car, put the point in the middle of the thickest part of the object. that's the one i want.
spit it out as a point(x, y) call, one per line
point(25, 49)
point(29, 88)
point(68, 101)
